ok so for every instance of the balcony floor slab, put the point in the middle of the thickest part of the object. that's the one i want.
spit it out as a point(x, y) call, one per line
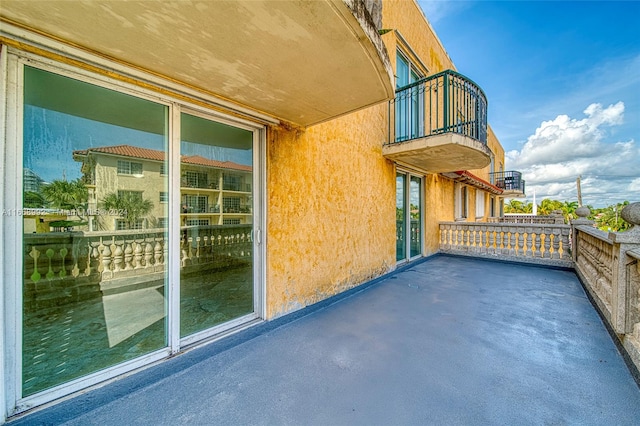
point(449, 340)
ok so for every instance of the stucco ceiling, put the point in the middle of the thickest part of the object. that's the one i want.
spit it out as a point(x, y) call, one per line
point(300, 61)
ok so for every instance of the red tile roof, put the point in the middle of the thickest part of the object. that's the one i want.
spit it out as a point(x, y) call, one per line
point(473, 180)
point(155, 155)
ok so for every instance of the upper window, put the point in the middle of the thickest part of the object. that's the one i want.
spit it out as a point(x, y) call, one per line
point(461, 202)
point(479, 203)
point(406, 72)
point(196, 179)
point(129, 168)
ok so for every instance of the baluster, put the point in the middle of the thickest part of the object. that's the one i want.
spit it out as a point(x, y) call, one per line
point(35, 254)
point(63, 254)
point(190, 249)
point(118, 257)
point(128, 255)
point(512, 242)
point(521, 249)
point(235, 244)
point(148, 254)
point(485, 239)
point(448, 236)
point(184, 256)
point(93, 256)
point(482, 249)
point(106, 259)
point(537, 244)
point(206, 249)
point(529, 243)
point(465, 239)
point(75, 271)
point(100, 255)
point(157, 253)
point(547, 243)
point(137, 255)
point(505, 241)
point(555, 243)
point(49, 254)
point(165, 251)
point(492, 241)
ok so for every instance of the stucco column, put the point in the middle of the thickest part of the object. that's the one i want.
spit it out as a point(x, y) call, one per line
point(582, 213)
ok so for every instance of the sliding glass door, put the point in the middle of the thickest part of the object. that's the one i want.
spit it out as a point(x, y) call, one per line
point(121, 264)
point(409, 216)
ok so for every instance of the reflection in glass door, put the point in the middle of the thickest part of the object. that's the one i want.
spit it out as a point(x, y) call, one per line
point(103, 231)
point(94, 241)
point(409, 216)
point(401, 240)
point(415, 214)
point(216, 219)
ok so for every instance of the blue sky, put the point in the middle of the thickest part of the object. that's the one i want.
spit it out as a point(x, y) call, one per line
point(563, 84)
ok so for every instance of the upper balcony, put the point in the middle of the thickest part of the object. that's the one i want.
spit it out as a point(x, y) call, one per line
point(303, 62)
point(439, 124)
point(510, 182)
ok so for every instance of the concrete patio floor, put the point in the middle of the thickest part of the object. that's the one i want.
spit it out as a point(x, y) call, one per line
point(447, 341)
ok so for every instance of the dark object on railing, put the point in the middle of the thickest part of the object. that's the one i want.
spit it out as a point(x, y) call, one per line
point(508, 181)
point(446, 102)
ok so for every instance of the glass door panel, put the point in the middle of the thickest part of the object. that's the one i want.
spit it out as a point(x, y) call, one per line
point(94, 244)
point(216, 192)
point(401, 240)
point(415, 205)
point(403, 100)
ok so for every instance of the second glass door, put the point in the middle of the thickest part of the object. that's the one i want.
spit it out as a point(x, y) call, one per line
point(409, 216)
point(216, 223)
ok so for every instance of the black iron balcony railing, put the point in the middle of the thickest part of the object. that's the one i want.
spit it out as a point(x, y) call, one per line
point(508, 181)
point(446, 102)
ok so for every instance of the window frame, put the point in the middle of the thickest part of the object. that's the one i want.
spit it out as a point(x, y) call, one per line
point(461, 201)
point(130, 171)
point(480, 203)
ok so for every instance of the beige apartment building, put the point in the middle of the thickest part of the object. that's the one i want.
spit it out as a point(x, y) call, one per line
point(212, 192)
point(290, 152)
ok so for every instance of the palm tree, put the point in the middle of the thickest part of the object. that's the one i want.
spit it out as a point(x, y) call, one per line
point(517, 206)
point(569, 210)
point(548, 206)
point(34, 200)
point(130, 205)
point(67, 195)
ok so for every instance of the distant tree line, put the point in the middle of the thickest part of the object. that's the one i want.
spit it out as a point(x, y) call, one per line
point(606, 219)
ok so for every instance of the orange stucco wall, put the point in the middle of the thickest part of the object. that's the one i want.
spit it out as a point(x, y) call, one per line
point(330, 209)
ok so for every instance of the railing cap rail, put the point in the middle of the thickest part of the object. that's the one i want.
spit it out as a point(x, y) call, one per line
point(594, 232)
point(440, 74)
point(509, 224)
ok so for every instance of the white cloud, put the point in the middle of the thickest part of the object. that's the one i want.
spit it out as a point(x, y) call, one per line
point(562, 149)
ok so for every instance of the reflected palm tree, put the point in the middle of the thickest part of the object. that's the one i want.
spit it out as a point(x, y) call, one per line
point(130, 205)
